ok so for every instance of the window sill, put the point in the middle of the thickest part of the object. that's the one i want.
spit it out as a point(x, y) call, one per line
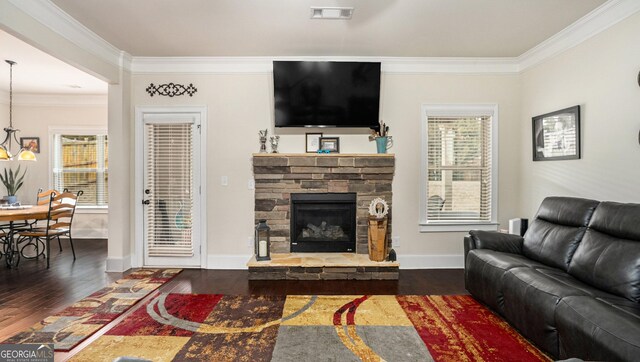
point(92, 209)
point(452, 227)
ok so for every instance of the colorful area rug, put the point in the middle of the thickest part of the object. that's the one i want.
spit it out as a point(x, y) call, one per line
point(79, 321)
point(188, 327)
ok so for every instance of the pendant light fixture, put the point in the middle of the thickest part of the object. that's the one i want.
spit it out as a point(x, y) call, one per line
point(25, 154)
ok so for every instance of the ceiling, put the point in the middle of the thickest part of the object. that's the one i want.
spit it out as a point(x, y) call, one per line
point(393, 28)
point(36, 72)
point(399, 28)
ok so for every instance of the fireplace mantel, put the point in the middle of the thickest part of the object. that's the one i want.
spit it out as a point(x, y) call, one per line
point(278, 175)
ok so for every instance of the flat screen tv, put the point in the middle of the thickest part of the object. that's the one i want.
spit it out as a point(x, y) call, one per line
point(326, 94)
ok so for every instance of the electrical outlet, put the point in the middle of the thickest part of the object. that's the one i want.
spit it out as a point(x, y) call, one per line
point(395, 241)
point(251, 184)
point(224, 181)
point(250, 242)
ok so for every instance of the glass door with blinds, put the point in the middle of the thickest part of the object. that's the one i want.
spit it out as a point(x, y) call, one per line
point(171, 200)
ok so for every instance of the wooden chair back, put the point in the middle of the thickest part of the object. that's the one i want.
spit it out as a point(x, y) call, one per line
point(62, 207)
point(44, 197)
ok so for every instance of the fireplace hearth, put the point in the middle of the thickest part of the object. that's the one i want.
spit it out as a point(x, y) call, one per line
point(323, 222)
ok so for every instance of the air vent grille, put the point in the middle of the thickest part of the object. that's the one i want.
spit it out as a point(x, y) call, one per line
point(331, 13)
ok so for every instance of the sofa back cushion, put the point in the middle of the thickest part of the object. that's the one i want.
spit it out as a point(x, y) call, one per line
point(557, 229)
point(609, 255)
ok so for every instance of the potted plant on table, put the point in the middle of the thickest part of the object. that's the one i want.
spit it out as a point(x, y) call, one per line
point(12, 182)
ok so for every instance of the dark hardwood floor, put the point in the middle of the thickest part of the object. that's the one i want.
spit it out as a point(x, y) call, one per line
point(30, 292)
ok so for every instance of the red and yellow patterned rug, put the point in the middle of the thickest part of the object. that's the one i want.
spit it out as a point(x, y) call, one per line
point(191, 327)
point(79, 321)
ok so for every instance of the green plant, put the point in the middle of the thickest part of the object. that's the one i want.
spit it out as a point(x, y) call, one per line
point(12, 181)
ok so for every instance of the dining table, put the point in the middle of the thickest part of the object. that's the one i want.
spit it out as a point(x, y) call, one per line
point(9, 215)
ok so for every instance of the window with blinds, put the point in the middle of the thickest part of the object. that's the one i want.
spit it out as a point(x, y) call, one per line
point(459, 168)
point(169, 180)
point(80, 162)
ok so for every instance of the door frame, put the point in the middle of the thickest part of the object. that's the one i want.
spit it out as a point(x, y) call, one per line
point(137, 258)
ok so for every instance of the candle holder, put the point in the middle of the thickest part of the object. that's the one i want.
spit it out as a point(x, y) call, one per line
point(262, 240)
point(263, 141)
point(274, 143)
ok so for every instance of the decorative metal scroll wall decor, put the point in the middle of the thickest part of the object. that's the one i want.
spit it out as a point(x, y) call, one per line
point(171, 89)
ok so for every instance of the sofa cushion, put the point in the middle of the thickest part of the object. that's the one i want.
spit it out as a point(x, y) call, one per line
point(609, 255)
point(602, 329)
point(557, 229)
point(484, 270)
point(529, 292)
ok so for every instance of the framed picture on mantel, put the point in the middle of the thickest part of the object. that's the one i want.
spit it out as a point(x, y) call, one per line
point(330, 144)
point(312, 144)
point(556, 135)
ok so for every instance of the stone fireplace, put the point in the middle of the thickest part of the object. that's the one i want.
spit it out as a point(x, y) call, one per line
point(279, 176)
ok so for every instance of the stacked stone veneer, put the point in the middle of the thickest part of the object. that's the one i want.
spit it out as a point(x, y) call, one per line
point(324, 273)
point(277, 176)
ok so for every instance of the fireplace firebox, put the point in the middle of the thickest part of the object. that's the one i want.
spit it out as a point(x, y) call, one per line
point(323, 222)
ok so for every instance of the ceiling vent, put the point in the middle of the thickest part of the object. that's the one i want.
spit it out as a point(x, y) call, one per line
point(331, 13)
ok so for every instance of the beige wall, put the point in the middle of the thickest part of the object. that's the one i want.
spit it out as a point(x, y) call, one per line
point(240, 105)
point(34, 121)
point(600, 75)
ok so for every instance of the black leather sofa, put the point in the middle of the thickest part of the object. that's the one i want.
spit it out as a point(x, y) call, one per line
point(571, 284)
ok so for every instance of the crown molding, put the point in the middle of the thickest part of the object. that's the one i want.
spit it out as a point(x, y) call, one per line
point(51, 16)
point(55, 100)
point(200, 65)
point(399, 65)
point(264, 65)
point(597, 21)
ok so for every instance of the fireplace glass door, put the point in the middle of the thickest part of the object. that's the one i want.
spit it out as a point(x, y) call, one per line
point(323, 222)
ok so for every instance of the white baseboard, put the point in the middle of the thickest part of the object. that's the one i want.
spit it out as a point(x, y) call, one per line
point(228, 261)
point(406, 261)
point(431, 261)
point(119, 265)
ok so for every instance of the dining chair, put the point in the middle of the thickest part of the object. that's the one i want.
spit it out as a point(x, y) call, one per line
point(42, 198)
point(59, 219)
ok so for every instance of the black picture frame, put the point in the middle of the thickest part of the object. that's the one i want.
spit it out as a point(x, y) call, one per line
point(32, 143)
point(556, 135)
point(330, 144)
point(312, 142)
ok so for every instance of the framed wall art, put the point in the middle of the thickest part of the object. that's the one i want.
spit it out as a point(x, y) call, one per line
point(32, 143)
point(556, 135)
point(312, 143)
point(329, 145)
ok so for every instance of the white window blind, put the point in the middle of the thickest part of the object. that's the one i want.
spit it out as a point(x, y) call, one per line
point(80, 162)
point(169, 179)
point(459, 169)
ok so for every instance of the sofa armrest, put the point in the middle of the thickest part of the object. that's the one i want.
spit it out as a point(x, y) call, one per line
point(493, 240)
point(469, 244)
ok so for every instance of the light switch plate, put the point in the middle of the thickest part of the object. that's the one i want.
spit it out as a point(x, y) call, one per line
point(395, 241)
point(251, 184)
point(224, 181)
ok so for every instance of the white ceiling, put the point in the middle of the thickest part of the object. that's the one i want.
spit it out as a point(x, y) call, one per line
point(399, 28)
point(36, 72)
point(379, 28)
